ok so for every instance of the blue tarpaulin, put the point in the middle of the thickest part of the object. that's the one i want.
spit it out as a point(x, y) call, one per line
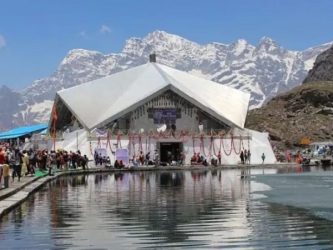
point(21, 131)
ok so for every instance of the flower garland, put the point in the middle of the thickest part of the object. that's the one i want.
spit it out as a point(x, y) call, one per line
point(219, 148)
point(129, 144)
point(119, 140)
point(211, 146)
point(193, 145)
point(108, 142)
point(90, 148)
point(240, 145)
point(231, 144)
point(202, 146)
point(184, 137)
point(140, 144)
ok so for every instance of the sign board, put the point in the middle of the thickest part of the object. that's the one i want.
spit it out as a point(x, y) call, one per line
point(122, 155)
point(164, 115)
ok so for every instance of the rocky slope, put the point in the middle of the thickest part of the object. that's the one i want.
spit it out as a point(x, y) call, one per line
point(323, 68)
point(304, 112)
point(264, 70)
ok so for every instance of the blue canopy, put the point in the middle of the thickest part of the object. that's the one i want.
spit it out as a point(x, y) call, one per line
point(21, 131)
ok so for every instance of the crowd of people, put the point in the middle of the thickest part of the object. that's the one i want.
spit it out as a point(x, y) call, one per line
point(245, 157)
point(17, 163)
point(198, 159)
point(137, 160)
point(144, 159)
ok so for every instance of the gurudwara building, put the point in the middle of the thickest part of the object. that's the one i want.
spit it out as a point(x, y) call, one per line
point(158, 109)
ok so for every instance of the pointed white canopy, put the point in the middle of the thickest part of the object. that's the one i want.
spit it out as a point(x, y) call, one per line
point(101, 101)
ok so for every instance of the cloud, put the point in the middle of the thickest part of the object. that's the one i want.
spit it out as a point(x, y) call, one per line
point(104, 29)
point(2, 42)
point(83, 33)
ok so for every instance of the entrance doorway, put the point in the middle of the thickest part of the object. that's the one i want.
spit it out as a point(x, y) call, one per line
point(170, 151)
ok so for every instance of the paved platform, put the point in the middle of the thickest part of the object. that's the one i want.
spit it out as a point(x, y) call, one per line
point(16, 186)
point(18, 191)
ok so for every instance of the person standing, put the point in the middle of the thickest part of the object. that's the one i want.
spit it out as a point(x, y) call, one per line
point(16, 161)
point(147, 159)
point(182, 158)
point(249, 156)
point(2, 156)
point(32, 162)
point(263, 158)
point(219, 157)
point(245, 156)
point(25, 163)
point(5, 169)
point(242, 157)
point(2, 162)
point(141, 158)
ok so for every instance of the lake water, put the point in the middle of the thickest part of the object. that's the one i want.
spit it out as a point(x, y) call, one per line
point(171, 209)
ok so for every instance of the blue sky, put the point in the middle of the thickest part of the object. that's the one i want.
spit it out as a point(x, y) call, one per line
point(35, 35)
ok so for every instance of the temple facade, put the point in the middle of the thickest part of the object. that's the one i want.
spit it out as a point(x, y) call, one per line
point(157, 109)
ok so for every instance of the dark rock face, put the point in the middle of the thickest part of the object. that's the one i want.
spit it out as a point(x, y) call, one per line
point(323, 68)
point(304, 112)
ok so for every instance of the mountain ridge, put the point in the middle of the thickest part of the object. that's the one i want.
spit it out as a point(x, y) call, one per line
point(304, 113)
point(263, 70)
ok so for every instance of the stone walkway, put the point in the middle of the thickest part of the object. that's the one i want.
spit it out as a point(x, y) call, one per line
point(15, 186)
point(19, 191)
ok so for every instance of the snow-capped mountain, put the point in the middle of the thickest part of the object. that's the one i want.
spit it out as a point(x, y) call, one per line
point(264, 70)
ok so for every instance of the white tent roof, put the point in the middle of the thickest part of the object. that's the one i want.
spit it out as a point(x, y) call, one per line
point(103, 100)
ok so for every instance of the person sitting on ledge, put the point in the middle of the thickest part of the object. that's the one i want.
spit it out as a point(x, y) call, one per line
point(116, 164)
point(213, 161)
point(141, 158)
point(194, 158)
point(199, 158)
point(135, 162)
point(121, 164)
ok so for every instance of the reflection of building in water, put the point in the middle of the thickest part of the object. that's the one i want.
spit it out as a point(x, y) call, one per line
point(171, 199)
point(155, 107)
point(198, 209)
point(173, 179)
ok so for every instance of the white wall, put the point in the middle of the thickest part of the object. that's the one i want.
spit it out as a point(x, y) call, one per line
point(258, 144)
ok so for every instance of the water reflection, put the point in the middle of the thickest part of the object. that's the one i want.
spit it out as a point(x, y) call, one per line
point(157, 209)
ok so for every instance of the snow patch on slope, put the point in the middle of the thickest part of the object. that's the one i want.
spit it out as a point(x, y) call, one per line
point(263, 70)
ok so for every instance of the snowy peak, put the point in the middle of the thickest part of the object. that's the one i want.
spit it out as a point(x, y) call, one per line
point(238, 47)
point(80, 54)
point(240, 50)
point(268, 42)
point(268, 45)
point(158, 41)
point(169, 41)
point(264, 70)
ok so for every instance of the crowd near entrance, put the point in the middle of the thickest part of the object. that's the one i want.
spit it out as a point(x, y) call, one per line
point(170, 152)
